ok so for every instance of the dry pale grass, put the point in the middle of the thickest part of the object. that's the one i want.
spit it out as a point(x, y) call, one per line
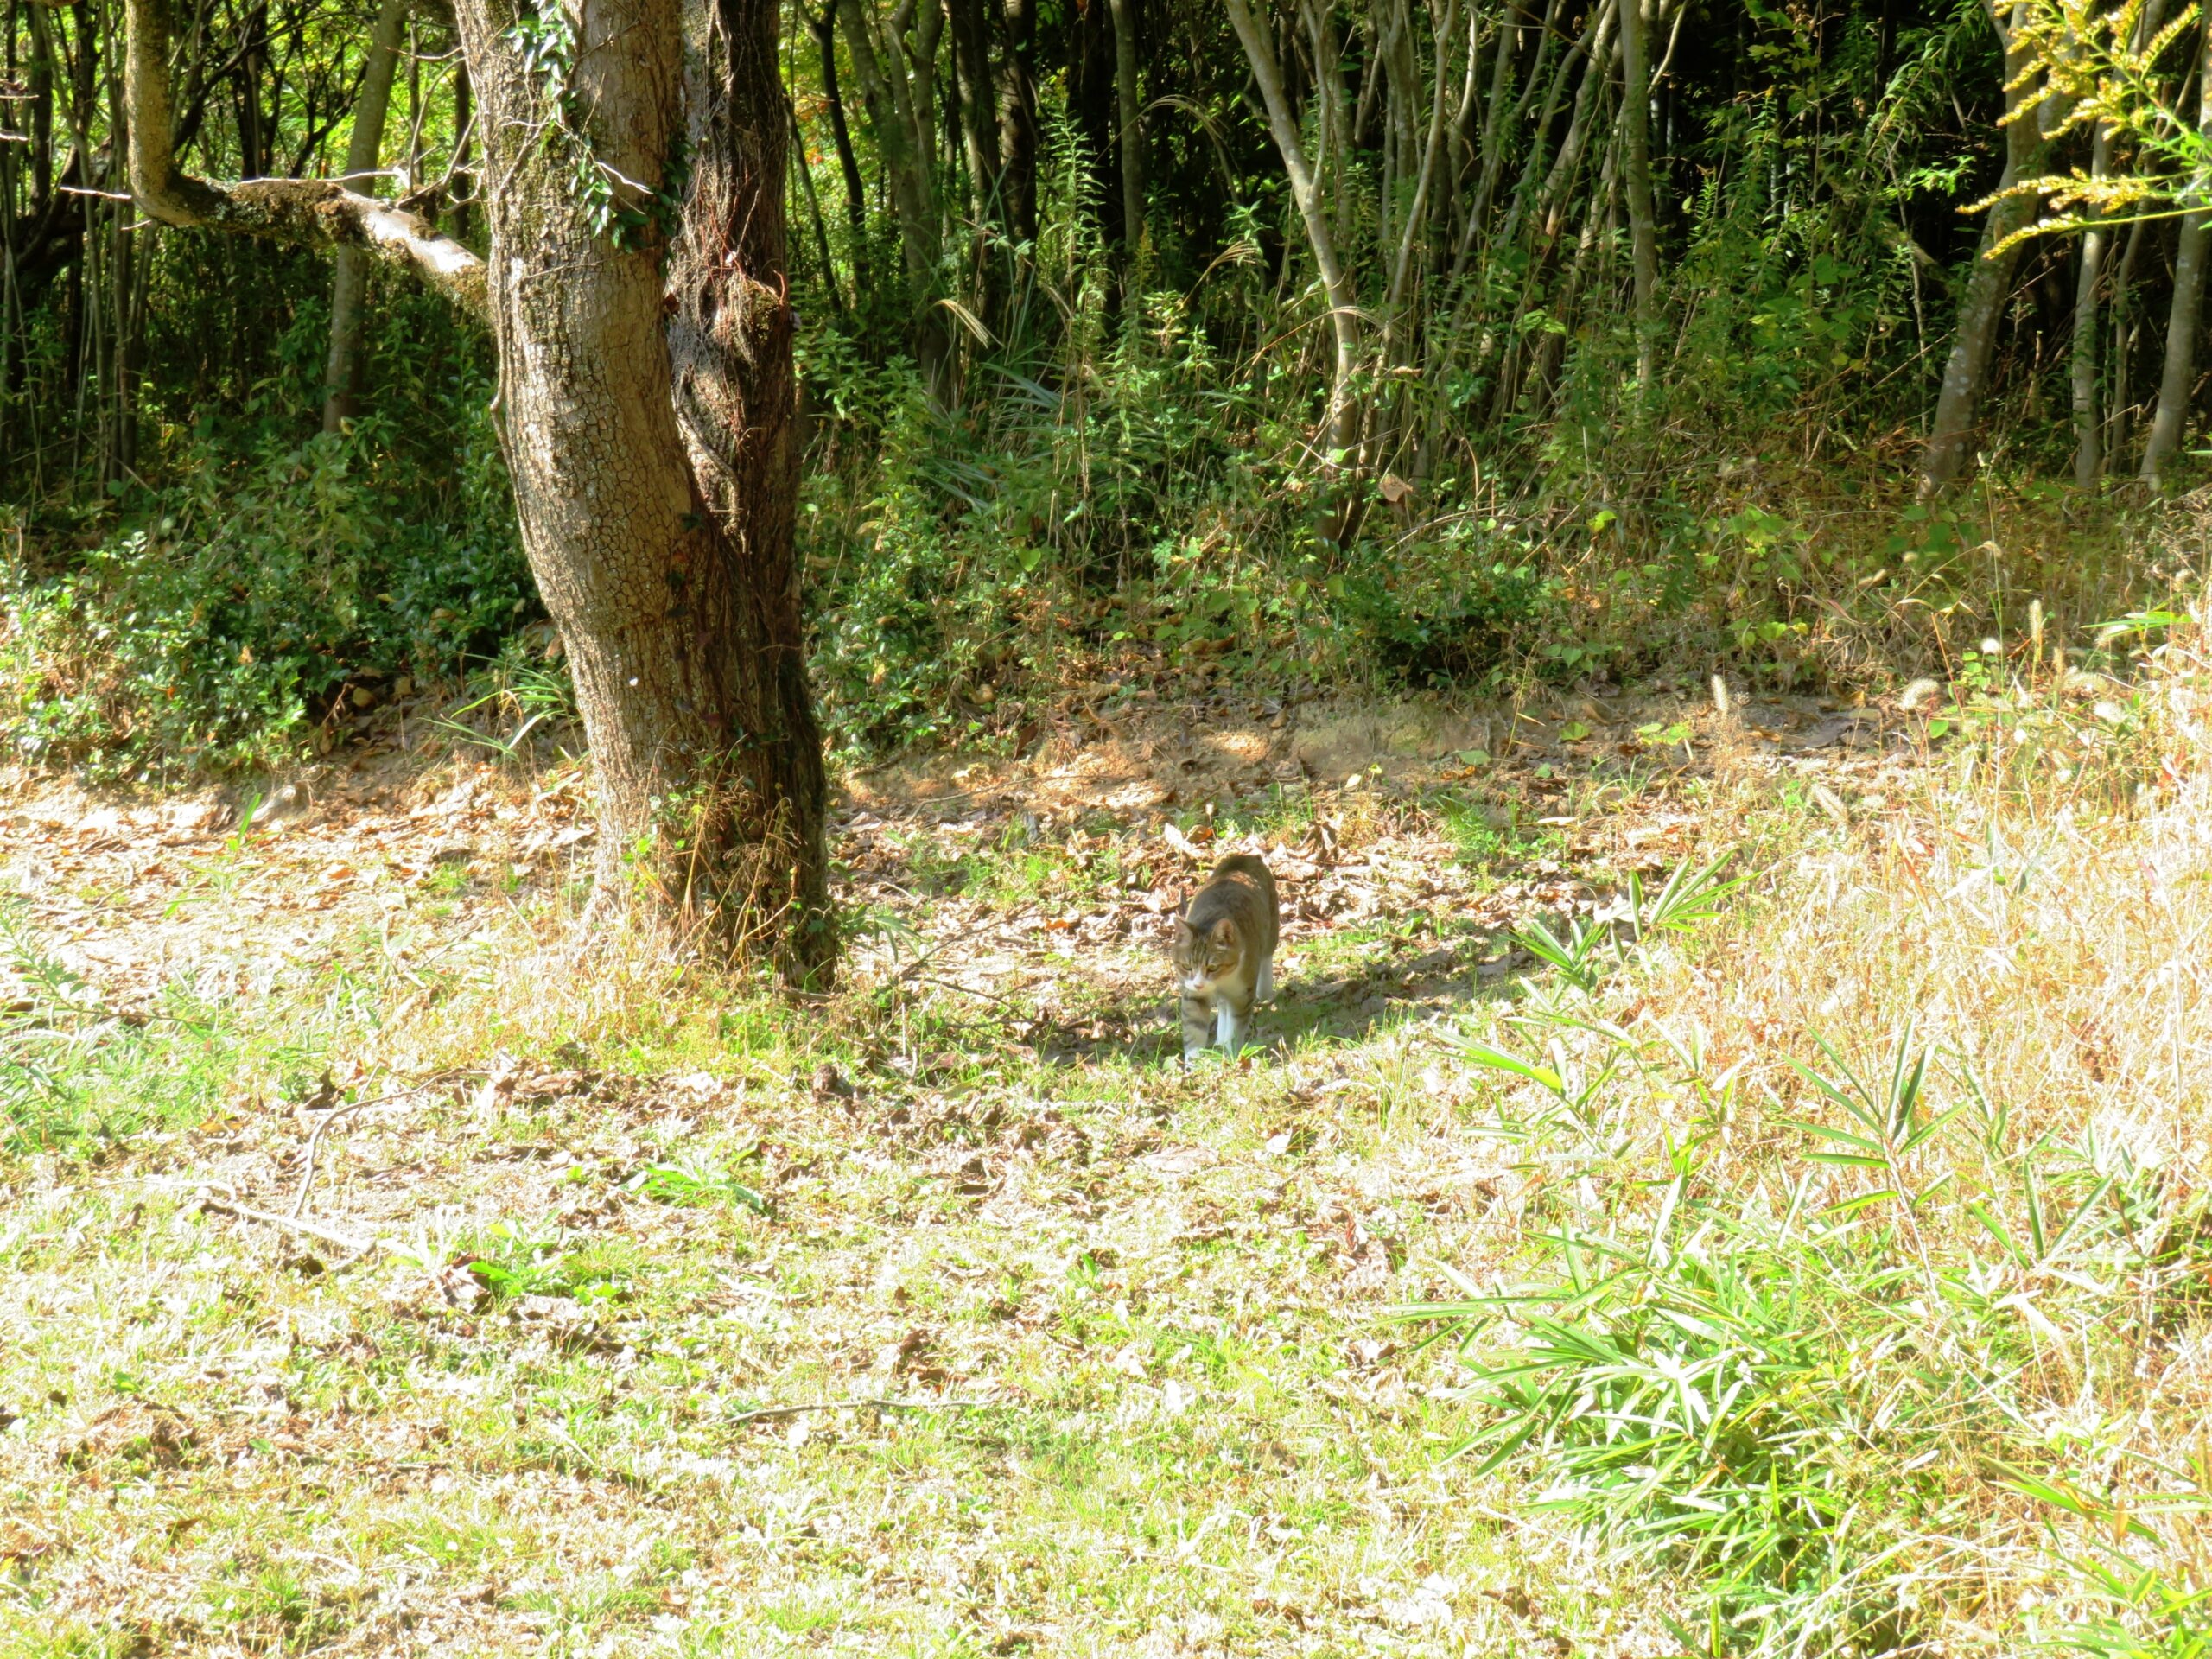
point(2027, 913)
point(1134, 1328)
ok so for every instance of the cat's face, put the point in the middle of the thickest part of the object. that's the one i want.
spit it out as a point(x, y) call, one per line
point(1203, 959)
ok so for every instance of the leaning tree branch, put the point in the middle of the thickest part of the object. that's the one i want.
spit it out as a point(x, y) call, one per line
point(311, 213)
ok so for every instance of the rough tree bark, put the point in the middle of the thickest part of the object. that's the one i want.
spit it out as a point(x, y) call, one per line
point(734, 393)
point(646, 414)
point(350, 274)
point(659, 526)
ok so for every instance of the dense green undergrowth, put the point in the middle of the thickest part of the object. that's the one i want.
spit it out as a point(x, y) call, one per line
point(1118, 475)
point(1113, 463)
point(216, 617)
point(968, 568)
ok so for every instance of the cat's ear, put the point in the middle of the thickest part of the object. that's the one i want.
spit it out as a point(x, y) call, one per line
point(1224, 931)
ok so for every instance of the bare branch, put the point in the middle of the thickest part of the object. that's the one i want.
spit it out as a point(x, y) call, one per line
point(313, 213)
point(1305, 189)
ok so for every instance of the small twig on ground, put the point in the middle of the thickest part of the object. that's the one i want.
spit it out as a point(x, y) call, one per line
point(938, 949)
point(958, 795)
point(966, 990)
point(874, 1402)
point(315, 1141)
point(222, 1207)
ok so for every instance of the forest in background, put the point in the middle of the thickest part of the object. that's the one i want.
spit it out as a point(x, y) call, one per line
point(1723, 1171)
point(1374, 344)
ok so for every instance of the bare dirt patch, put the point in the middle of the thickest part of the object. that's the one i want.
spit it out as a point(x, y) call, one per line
point(227, 891)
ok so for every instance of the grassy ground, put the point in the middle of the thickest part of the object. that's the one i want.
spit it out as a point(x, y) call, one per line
point(1811, 1264)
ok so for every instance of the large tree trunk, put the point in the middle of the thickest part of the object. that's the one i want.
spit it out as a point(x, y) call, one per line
point(730, 343)
point(647, 420)
point(662, 548)
point(341, 377)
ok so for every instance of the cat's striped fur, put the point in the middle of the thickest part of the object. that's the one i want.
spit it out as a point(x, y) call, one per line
point(1224, 954)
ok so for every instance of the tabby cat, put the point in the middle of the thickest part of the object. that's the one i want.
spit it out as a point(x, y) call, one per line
point(1224, 953)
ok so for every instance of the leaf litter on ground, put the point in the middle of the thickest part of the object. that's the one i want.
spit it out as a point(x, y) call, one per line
point(663, 1262)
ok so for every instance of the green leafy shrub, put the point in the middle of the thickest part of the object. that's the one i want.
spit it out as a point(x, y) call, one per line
point(1468, 604)
point(226, 615)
